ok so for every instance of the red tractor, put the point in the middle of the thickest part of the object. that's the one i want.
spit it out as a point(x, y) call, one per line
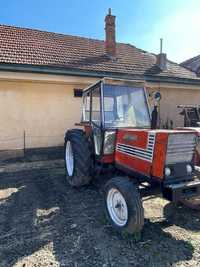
point(118, 141)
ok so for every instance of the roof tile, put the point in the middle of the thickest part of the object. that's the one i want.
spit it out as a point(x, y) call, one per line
point(34, 47)
point(192, 64)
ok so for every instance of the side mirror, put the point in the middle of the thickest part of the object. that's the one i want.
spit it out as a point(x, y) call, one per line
point(154, 116)
point(157, 96)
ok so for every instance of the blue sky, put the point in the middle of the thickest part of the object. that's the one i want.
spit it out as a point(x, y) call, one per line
point(140, 22)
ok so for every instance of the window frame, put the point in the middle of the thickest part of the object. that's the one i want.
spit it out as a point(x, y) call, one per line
point(84, 107)
point(132, 127)
point(90, 90)
point(100, 105)
point(102, 125)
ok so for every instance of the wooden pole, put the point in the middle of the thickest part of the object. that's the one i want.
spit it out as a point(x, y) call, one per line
point(24, 143)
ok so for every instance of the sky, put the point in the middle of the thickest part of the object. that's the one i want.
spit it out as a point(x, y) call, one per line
point(141, 23)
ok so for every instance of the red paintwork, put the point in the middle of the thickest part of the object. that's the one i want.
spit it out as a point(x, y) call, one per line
point(140, 140)
point(160, 149)
point(133, 163)
point(197, 158)
point(151, 167)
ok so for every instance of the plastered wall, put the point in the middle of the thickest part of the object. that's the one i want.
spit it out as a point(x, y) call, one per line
point(37, 113)
point(36, 110)
point(171, 98)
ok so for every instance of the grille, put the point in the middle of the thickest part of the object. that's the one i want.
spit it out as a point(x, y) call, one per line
point(181, 148)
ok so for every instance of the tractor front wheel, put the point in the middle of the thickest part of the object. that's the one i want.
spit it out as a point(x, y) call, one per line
point(78, 158)
point(123, 205)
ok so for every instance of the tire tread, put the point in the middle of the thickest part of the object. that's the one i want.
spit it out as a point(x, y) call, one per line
point(82, 157)
point(135, 209)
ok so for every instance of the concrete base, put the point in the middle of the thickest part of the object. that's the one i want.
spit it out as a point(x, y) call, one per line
point(32, 154)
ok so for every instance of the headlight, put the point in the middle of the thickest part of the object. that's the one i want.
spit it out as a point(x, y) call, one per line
point(189, 169)
point(167, 171)
point(109, 142)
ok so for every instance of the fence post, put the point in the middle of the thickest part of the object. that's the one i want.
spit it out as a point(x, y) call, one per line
point(24, 143)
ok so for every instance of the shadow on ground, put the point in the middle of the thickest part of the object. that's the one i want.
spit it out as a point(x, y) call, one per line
point(44, 222)
point(182, 216)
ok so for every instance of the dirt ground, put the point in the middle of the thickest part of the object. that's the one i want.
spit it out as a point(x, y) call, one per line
point(44, 222)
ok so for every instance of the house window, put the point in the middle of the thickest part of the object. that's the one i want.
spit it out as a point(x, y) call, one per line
point(78, 92)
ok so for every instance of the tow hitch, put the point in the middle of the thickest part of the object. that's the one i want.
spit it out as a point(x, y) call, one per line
point(180, 191)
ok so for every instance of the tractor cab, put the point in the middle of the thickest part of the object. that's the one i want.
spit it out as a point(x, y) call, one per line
point(114, 104)
point(108, 105)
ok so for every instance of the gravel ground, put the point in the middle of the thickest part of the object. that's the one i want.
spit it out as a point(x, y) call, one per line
point(44, 222)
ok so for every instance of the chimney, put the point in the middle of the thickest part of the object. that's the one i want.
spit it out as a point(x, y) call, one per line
point(110, 43)
point(161, 60)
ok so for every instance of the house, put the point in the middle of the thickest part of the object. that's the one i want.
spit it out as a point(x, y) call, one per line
point(41, 74)
point(193, 64)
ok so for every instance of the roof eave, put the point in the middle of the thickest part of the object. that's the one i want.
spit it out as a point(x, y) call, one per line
point(65, 71)
point(98, 74)
point(178, 80)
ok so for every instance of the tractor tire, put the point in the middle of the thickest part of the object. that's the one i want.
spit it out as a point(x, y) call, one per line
point(123, 205)
point(192, 203)
point(78, 158)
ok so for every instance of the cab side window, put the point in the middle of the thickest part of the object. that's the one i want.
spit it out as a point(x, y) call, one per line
point(96, 110)
point(86, 107)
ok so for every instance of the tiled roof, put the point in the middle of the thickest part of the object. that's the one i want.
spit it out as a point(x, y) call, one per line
point(192, 64)
point(40, 48)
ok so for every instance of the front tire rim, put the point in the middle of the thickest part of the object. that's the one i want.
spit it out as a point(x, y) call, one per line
point(69, 158)
point(117, 207)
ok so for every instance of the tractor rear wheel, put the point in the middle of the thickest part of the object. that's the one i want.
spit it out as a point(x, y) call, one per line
point(123, 205)
point(78, 158)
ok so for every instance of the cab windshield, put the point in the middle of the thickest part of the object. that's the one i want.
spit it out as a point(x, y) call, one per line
point(125, 106)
